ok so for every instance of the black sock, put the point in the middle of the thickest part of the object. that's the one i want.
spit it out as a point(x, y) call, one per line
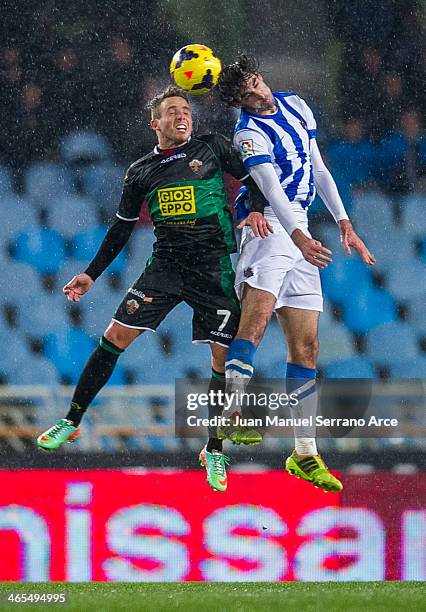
point(214, 444)
point(95, 375)
point(217, 382)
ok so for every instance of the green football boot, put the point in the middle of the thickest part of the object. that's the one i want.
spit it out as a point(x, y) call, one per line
point(53, 438)
point(215, 463)
point(238, 434)
point(313, 469)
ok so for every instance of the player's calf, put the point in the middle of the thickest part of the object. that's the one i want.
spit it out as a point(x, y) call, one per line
point(238, 372)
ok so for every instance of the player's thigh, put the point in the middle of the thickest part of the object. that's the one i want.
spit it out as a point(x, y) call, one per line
point(300, 327)
point(209, 290)
point(264, 263)
point(156, 292)
point(257, 306)
point(301, 288)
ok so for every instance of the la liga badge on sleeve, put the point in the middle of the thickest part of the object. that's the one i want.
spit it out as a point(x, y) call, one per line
point(246, 147)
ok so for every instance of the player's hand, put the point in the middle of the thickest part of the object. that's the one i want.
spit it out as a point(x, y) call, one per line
point(78, 286)
point(259, 225)
point(312, 250)
point(349, 238)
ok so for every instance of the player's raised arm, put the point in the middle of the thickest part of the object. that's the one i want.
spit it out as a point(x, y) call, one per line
point(115, 239)
point(327, 189)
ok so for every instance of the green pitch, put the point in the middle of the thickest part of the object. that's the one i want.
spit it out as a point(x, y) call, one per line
point(238, 597)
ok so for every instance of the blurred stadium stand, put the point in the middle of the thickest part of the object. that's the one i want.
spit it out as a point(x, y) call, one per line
point(61, 243)
point(373, 325)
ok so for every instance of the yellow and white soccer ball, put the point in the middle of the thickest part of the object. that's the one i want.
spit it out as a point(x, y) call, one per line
point(195, 68)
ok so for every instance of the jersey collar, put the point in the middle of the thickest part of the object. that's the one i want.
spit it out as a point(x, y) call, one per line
point(159, 151)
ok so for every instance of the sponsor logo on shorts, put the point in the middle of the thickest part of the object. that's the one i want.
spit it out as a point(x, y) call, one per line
point(195, 165)
point(177, 201)
point(131, 306)
point(140, 294)
point(221, 334)
point(248, 272)
point(247, 148)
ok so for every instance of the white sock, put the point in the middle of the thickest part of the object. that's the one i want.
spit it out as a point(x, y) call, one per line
point(306, 409)
point(306, 446)
point(236, 385)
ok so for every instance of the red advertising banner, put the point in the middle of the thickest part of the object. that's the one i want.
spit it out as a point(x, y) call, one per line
point(146, 525)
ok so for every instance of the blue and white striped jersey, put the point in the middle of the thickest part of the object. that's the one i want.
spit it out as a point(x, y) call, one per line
point(282, 139)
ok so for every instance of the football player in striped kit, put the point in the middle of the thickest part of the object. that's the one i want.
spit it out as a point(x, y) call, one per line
point(276, 137)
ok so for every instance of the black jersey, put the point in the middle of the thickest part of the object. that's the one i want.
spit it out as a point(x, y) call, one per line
point(186, 197)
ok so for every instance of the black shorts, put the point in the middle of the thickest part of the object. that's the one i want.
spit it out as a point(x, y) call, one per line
point(207, 286)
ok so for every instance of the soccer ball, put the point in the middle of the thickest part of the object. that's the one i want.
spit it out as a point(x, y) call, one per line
point(195, 68)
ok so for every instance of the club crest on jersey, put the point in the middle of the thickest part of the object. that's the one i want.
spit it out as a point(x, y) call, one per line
point(247, 148)
point(195, 165)
point(131, 306)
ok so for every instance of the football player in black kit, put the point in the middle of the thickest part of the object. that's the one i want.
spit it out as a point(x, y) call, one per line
point(182, 183)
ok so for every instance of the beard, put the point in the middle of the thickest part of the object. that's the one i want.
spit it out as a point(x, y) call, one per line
point(264, 105)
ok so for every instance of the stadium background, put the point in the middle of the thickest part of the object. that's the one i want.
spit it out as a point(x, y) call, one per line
point(74, 84)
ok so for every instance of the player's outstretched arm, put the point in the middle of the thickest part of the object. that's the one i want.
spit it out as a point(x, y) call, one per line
point(325, 184)
point(114, 241)
point(327, 189)
point(78, 286)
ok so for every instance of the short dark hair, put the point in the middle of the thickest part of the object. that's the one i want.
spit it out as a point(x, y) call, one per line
point(171, 91)
point(233, 78)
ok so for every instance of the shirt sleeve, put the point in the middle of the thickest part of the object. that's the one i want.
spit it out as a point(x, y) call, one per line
point(114, 241)
point(253, 147)
point(132, 196)
point(229, 159)
point(326, 186)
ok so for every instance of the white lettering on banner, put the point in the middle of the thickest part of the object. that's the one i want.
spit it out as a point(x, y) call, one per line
point(368, 548)
point(414, 545)
point(79, 538)
point(269, 556)
point(33, 533)
point(78, 527)
point(121, 538)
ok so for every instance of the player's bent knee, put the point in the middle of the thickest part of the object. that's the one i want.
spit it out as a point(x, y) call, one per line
point(121, 336)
